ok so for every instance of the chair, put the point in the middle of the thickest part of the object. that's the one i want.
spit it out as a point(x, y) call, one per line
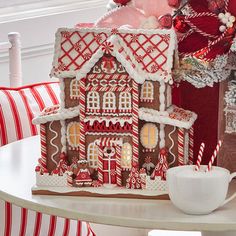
point(21, 104)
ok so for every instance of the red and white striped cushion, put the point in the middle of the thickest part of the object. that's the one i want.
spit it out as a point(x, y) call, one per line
point(16, 221)
point(19, 105)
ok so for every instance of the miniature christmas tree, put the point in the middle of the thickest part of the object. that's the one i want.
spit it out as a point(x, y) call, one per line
point(162, 165)
point(134, 180)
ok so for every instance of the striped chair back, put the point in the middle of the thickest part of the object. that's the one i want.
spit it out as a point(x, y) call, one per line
point(18, 105)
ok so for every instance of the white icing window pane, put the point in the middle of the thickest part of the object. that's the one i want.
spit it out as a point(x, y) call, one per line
point(125, 101)
point(109, 100)
point(126, 155)
point(93, 155)
point(93, 100)
point(74, 89)
point(147, 91)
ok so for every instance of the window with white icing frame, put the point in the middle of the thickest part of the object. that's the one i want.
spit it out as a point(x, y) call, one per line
point(149, 136)
point(147, 92)
point(73, 134)
point(126, 156)
point(92, 155)
point(93, 101)
point(125, 101)
point(74, 89)
point(109, 101)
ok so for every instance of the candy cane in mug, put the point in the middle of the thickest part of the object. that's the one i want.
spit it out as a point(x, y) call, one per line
point(216, 151)
point(199, 158)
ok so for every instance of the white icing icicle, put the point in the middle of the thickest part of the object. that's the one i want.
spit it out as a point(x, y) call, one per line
point(51, 142)
point(62, 93)
point(162, 136)
point(162, 95)
point(63, 136)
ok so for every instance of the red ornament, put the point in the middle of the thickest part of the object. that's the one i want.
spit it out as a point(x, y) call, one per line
point(174, 3)
point(180, 24)
point(166, 21)
point(122, 2)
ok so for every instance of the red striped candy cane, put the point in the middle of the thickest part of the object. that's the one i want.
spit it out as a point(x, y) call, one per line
point(118, 165)
point(191, 144)
point(199, 158)
point(213, 157)
point(181, 146)
point(100, 163)
point(135, 133)
point(43, 159)
point(82, 117)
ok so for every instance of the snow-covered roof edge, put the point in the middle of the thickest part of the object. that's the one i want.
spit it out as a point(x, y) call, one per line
point(154, 116)
point(62, 114)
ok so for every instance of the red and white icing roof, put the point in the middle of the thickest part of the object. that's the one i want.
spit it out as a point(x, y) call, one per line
point(56, 113)
point(144, 53)
point(174, 116)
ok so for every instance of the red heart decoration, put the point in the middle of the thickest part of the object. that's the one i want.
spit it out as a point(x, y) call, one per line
point(174, 3)
point(165, 21)
point(122, 2)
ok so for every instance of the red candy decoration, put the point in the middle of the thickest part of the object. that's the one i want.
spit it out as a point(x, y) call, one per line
point(122, 2)
point(180, 24)
point(166, 21)
point(174, 3)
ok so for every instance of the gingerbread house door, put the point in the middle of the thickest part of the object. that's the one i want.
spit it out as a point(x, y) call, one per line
point(109, 168)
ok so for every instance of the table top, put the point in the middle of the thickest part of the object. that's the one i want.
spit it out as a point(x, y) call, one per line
point(17, 164)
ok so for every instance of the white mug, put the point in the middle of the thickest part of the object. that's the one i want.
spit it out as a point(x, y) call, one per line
point(198, 192)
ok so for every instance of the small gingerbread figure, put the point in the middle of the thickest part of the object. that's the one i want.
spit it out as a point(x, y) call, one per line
point(83, 177)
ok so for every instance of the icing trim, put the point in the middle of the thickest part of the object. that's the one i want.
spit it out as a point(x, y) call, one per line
point(52, 144)
point(151, 115)
point(62, 114)
point(172, 145)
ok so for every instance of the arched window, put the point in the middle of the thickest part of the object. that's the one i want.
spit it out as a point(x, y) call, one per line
point(109, 101)
point(73, 133)
point(126, 156)
point(93, 101)
point(92, 154)
point(149, 136)
point(74, 89)
point(125, 101)
point(147, 92)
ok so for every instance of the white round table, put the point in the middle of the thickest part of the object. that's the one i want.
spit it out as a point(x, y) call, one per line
point(17, 176)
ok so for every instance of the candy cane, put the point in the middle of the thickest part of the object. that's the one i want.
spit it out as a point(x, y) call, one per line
point(181, 146)
point(213, 157)
point(199, 158)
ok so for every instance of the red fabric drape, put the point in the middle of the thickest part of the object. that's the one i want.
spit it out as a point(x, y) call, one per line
point(205, 103)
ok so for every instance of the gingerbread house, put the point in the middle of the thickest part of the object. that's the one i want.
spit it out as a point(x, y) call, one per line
point(116, 104)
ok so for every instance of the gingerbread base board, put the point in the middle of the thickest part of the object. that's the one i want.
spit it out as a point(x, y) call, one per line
point(100, 192)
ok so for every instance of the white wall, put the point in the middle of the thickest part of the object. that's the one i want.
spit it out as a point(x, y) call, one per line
point(37, 37)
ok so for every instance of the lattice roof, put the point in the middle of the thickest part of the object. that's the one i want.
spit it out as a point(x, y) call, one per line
point(149, 53)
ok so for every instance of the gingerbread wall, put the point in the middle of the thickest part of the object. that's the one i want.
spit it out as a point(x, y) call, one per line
point(53, 137)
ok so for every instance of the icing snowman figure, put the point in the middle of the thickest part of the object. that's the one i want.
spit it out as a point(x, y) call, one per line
point(83, 177)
